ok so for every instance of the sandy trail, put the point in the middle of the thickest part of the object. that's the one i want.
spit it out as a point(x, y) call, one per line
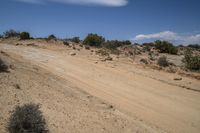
point(158, 105)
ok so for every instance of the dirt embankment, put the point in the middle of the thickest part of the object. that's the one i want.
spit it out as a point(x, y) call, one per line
point(148, 100)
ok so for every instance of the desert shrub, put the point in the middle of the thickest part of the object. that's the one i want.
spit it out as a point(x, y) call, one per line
point(102, 52)
point(162, 61)
point(24, 35)
point(94, 40)
point(114, 44)
point(115, 51)
point(87, 47)
point(66, 43)
point(51, 37)
point(27, 119)
point(3, 66)
point(11, 33)
point(151, 56)
point(76, 39)
point(191, 61)
point(195, 46)
point(150, 44)
point(165, 47)
point(147, 48)
point(144, 61)
point(1, 36)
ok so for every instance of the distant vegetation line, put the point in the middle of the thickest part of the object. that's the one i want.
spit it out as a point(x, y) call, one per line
point(191, 59)
point(109, 43)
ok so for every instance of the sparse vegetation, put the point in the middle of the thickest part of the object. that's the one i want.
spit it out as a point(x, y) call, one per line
point(114, 44)
point(24, 35)
point(165, 47)
point(191, 61)
point(27, 119)
point(94, 40)
point(162, 61)
point(11, 33)
point(102, 52)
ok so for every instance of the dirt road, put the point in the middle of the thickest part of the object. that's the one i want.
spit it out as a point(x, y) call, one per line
point(149, 97)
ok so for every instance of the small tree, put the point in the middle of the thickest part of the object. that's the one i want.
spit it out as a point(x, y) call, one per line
point(94, 40)
point(27, 119)
point(24, 35)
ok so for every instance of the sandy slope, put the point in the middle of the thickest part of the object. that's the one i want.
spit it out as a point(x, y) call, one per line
point(149, 97)
point(66, 108)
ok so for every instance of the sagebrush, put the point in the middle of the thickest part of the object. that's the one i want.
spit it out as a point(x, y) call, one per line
point(191, 61)
point(27, 119)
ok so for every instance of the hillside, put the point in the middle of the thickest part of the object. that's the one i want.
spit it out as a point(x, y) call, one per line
point(81, 91)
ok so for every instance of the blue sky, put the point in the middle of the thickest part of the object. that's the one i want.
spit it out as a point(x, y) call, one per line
point(177, 21)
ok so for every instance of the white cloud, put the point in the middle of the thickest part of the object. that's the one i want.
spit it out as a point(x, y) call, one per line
point(169, 36)
point(115, 3)
point(192, 39)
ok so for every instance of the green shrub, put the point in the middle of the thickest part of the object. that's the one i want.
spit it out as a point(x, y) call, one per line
point(11, 33)
point(114, 44)
point(94, 40)
point(27, 119)
point(162, 61)
point(3, 66)
point(165, 47)
point(51, 37)
point(24, 35)
point(191, 61)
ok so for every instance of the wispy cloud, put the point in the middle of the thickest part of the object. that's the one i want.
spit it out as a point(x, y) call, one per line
point(114, 3)
point(169, 36)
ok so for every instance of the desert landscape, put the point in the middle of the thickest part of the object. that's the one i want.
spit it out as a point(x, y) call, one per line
point(99, 66)
point(82, 89)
